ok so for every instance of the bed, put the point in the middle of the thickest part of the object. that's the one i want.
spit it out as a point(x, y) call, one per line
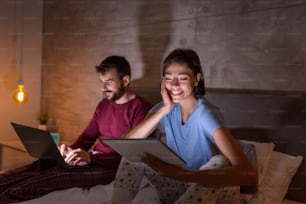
point(274, 123)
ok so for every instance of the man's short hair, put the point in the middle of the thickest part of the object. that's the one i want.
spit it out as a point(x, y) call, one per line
point(119, 63)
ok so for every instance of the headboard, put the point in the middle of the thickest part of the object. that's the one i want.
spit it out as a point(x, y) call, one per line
point(280, 119)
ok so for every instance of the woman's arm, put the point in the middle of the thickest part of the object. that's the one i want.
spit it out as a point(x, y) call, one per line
point(241, 172)
point(148, 125)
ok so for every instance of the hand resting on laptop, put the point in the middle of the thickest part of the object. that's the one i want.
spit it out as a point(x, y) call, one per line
point(76, 157)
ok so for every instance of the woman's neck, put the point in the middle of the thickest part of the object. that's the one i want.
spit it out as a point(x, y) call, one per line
point(187, 108)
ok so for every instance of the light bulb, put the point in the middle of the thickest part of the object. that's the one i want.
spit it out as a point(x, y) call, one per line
point(20, 95)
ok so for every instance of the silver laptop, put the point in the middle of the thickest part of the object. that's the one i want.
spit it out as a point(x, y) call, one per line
point(40, 144)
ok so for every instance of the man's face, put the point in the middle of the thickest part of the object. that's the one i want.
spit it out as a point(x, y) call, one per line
point(112, 87)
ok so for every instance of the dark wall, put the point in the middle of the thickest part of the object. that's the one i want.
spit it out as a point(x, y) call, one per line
point(248, 45)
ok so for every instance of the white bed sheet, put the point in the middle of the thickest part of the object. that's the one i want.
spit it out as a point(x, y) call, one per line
point(101, 194)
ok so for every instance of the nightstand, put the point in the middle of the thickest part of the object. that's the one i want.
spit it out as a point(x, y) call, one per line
point(13, 154)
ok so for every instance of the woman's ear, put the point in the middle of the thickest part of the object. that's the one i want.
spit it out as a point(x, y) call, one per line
point(198, 78)
point(126, 80)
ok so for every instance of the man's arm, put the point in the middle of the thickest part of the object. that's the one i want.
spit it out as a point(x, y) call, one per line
point(90, 134)
point(105, 160)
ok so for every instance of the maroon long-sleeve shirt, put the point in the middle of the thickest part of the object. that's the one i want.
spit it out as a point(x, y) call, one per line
point(110, 120)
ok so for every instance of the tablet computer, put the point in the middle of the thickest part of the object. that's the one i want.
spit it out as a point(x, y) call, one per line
point(132, 149)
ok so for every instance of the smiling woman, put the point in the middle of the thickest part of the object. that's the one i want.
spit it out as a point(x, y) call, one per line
point(194, 129)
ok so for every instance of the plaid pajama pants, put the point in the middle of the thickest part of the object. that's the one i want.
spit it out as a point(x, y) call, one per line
point(29, 182)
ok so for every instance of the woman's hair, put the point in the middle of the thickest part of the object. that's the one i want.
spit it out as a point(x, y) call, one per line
point(192, 60)
point(119, 63)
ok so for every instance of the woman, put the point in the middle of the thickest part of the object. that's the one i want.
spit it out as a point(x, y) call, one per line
point(196, 131)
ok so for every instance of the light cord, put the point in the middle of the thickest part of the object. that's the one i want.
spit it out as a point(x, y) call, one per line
point(21, 60)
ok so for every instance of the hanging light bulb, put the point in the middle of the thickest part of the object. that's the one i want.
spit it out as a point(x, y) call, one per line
point(20, 95)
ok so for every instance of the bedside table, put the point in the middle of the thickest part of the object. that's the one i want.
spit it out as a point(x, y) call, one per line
point(13, 155)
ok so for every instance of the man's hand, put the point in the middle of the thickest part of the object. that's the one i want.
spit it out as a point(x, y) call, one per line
point(64, 149)
point(74, 156)
point(78, 157)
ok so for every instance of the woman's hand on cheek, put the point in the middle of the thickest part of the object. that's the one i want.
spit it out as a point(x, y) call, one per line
point(167, 101)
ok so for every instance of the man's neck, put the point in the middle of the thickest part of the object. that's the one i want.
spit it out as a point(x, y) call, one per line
point(127, 96)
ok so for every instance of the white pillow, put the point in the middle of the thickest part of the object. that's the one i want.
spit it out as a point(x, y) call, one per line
point(281, 169)
point(263, 154)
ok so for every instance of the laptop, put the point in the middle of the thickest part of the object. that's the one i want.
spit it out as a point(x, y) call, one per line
point(132, 149)
point(40, 144)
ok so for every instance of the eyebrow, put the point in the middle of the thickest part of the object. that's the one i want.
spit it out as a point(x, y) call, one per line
point(178, 74)
point(109, 79)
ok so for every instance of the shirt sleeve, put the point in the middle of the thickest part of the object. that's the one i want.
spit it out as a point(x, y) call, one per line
point(213, 120)
point(155, 108)
point(140, 112)
point(89, 135)
point(105, 160)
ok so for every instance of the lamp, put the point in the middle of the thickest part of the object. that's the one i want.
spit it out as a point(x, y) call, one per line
point(20, 95)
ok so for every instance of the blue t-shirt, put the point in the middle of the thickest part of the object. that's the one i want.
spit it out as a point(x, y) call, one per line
point(193, 141)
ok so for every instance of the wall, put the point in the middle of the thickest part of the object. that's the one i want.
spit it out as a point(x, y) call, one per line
point(10, 41)
point(243, 45)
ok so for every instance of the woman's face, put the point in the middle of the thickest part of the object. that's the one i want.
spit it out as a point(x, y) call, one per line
point(180, 82)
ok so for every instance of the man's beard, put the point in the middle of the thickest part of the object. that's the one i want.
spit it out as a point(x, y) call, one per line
point(118, 94)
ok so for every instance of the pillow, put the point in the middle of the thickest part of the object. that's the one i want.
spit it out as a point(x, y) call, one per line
point(263, 154)
point(281, 169)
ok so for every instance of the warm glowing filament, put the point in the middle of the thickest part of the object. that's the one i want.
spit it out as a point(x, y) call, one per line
point(20, 95)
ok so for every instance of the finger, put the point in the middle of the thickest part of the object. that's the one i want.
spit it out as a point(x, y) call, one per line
point(61, 149)
point(148, 158)
point(77, 160)
point(164, 93)
point(82, 163)
point(70, 156)
point(141, 155)
point(163, 90)
point(78, 150)
point(68, 148)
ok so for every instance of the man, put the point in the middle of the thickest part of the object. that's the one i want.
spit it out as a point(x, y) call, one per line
point(120, 110)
